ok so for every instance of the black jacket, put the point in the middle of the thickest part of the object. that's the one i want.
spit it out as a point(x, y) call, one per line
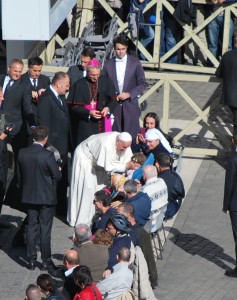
point(55, 116)
point(38, 173)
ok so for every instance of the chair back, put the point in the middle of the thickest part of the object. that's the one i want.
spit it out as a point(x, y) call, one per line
point(128, 295)
point(157, 218)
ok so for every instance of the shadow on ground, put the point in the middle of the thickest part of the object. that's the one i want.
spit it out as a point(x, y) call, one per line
point(199, 245)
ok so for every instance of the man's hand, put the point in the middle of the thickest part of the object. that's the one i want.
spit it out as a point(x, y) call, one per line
point(131, 166)
point(35, 95)
point(115, 204)
point(123, 96)
point(225, 211)
point(41, 91)
point(106, 273)
point(104, 112)
point(96, 114)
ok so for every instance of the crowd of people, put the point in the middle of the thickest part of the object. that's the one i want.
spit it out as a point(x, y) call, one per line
point(121, 176)
point(194, 14)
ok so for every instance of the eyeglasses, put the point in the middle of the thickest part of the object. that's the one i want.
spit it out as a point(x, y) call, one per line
point(134, 159)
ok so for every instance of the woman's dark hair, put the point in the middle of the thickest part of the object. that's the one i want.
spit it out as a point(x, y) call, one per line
point(45, 282)
point(82, 275)
point(155, 117)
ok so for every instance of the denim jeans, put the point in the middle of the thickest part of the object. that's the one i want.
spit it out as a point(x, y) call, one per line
point(215, 34)
point(168, 40)
point(145, 41)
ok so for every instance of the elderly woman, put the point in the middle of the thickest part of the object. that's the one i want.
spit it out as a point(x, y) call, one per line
point(91, 100)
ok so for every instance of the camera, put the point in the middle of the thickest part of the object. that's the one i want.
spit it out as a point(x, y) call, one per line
point(59, 162)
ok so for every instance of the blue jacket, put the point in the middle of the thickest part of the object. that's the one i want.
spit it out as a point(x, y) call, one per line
point(142, 206)
point(118, 243)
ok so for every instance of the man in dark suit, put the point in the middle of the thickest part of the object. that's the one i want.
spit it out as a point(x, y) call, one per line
point(38, 174)
point(227, 70)
point(79, 71)
point(36, 81)
point(53, 113)
point(128, 77)
point(230, 197)
point(3, 163)
point(17, 105)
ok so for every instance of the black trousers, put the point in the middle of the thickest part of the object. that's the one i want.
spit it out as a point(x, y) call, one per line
point(61, 208)
point(233, 218)
point(39, 216)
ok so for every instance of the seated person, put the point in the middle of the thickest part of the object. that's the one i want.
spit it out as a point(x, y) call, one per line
point(47, 287)
point(156, 142)
point(70, 262)
point(138, 159)
point(173, 182)
point(95, 256)
point(102, 237)
point(102, 204)
point(139, 200)
point(151, 120)
point(120, 280)
point(33, 292)
point(116, 188)
point(118, 226)
point(89, 291)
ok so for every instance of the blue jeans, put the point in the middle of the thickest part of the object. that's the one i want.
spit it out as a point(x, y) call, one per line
point(145, 41)
point(168, 33)
point(215, 35)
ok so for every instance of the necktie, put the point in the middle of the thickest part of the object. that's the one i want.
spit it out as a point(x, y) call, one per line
point(9, 84)
point(60, 100)
point(34, 84)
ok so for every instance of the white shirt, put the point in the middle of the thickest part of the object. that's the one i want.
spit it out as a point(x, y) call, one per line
point(120, 71)
point(56, 94)
point(7, 79)
point(32, 82)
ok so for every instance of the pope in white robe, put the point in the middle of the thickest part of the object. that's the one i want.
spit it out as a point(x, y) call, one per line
point(93, 159)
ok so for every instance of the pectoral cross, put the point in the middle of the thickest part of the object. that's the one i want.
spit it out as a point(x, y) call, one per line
point(92, 103)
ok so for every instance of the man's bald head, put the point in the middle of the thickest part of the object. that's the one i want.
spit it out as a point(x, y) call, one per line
point(149, 172)
point(33, 292)
point(71, 258)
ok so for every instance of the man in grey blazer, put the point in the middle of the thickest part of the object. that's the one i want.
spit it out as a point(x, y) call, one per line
point(79, 71)
point(38, 174)
point(128, 77)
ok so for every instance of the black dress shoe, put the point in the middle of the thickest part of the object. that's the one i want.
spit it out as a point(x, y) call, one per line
point(48, 265)
point(32, 264)
point(57, 273)
point(231, 273)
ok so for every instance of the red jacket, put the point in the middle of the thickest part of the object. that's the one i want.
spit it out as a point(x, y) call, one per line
point(89, 293)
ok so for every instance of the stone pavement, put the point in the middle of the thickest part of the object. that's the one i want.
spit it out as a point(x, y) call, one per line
point(200, 245)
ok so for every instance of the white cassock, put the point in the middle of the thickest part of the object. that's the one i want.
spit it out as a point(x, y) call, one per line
point(93, 158)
